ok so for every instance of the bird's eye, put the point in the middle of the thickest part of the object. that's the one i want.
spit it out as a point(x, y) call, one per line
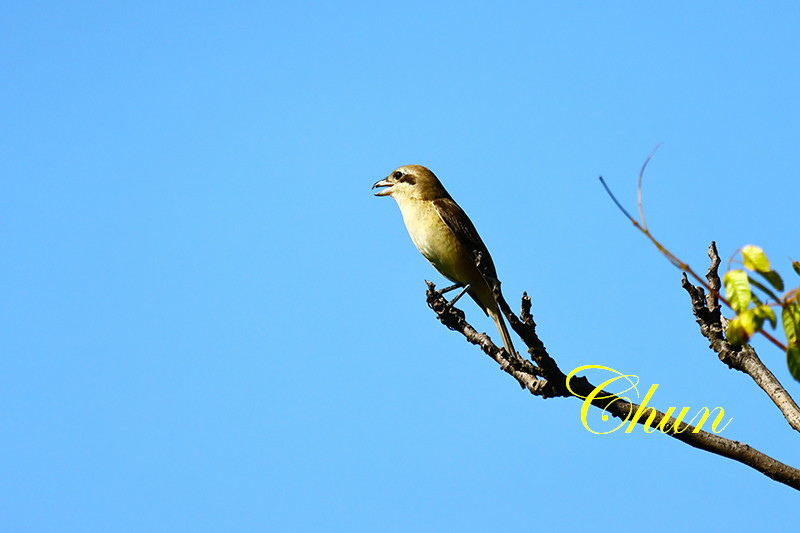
point(398, 175)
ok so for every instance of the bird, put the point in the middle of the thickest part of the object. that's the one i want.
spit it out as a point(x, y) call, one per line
point(445, 236)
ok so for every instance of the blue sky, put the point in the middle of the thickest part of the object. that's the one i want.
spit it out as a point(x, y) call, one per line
point(208, 322)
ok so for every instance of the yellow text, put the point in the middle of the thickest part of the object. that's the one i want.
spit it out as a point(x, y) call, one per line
point(630, 382)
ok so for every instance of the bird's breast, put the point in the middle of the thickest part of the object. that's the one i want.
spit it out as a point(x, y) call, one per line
point(434, 239)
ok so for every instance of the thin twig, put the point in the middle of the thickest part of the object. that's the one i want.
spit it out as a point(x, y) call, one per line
point(619, 205)
point(672, 258)
point(639, 187)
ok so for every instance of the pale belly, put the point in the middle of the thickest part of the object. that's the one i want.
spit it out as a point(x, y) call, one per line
point(433, 238)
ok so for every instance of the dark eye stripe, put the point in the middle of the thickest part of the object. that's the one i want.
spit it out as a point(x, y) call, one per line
point(400, 177)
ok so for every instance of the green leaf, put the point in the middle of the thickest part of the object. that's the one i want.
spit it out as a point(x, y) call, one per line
point(751, 321)
point(755, 258)
point(790, 316)
point(773, 278)
point(735, 331)
point(755, 283)
point(740, 328)
point(793, 360)
point(737, 289)
point(766, 312)
point(796, 267)
point(754, 297)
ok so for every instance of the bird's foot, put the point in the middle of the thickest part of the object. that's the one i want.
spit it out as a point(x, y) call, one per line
point(452, 302)
point(450, 288)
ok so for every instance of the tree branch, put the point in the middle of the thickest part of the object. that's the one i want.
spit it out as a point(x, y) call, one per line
point(542, 377)
point(709, 317)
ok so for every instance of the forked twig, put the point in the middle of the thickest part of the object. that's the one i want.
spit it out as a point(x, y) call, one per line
point(641, 225)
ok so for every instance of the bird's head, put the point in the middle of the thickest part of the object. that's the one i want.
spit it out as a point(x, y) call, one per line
point(411, 181)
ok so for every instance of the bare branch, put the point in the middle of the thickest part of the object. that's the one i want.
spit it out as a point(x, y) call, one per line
point(525, 372)
point(742, 358)
point(545, 379)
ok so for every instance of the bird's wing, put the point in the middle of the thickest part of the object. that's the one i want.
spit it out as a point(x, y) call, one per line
point(459, 223)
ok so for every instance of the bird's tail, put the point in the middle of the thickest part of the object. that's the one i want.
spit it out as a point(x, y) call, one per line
point(501, 327)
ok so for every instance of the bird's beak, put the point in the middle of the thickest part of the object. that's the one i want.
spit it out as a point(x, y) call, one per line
point(384, 192)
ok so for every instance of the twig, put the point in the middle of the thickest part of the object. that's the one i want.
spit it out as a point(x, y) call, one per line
point(639, 187)
point(742, 358)
point(672, 258)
